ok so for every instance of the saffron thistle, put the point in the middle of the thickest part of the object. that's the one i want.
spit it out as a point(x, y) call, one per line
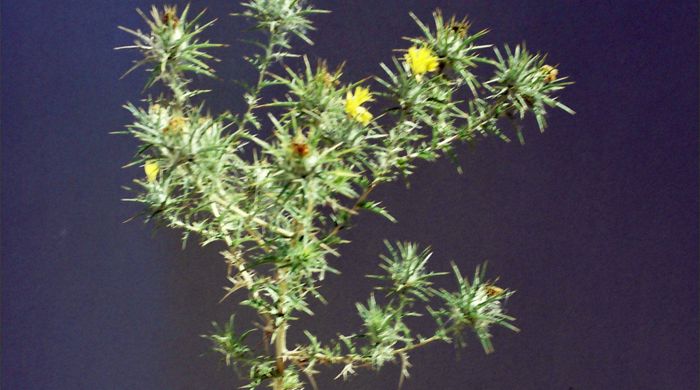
point(278, 205)
point(421, 60)
point(151, 168)
point(353, 102)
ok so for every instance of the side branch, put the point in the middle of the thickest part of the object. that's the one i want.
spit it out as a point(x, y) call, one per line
point(301, 357)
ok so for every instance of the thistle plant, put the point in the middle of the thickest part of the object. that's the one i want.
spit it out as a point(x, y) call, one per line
point(278, 184)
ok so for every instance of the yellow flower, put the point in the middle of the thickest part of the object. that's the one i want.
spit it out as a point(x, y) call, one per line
point(353, 105)
point(421, 60)
point(151, 168)
point(354, 100)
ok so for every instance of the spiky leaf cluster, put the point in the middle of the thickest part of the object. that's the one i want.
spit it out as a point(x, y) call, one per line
point(406, 274)
point(476, 305)
point(525, 83)
point(171, 48)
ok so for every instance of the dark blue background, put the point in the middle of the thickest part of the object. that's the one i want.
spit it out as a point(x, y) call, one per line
point(595, 223)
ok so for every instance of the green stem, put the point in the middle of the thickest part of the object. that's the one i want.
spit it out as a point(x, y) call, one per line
point(357, 360)
point(266, 62)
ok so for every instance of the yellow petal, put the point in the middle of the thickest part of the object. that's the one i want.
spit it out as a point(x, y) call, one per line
point(362, 95)
point(351, 107)
point(151, 168)
point(421, 60)
point(363, 116)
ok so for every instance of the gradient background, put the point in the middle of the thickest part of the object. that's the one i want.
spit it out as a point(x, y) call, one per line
point(595, 223)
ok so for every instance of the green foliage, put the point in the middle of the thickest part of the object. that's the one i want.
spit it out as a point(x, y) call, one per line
point(525, 83)
point(229, 344)
point(283, 18)
point(279, 203)
point(171, 49)
point(455, 46)
point(406, 272)
point(476, 305)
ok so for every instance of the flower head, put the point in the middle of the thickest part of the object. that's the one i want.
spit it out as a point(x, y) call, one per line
point(151, 168)
point(354, 100)
point(550, 73)
point(300, 146)
point(175, 125)
point(353, 105)
point(421, 60)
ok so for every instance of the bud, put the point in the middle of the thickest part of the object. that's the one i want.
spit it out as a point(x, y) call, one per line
point(550, 73)
point(151, 168)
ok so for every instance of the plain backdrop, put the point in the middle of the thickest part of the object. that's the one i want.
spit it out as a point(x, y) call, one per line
point(594, 222)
